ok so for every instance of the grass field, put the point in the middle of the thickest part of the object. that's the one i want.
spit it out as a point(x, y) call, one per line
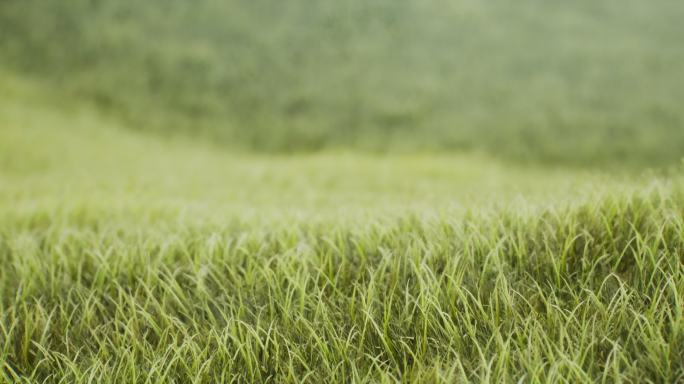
point(127, 258)
point(336, 192)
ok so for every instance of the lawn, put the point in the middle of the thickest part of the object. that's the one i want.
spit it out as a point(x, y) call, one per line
point(130, 258)
point(357, 191)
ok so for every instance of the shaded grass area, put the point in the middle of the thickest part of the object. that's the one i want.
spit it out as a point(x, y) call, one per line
point(589, 293)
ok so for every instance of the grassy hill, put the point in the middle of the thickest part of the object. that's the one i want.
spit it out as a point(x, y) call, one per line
point(130, 258)
point(572, 82)
point(357, 191)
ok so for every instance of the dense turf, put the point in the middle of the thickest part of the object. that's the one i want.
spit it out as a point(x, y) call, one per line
point(321, 191)
point(127, 258)
point(589, 293)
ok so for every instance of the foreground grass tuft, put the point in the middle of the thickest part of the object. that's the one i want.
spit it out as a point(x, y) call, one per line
point(588, 293)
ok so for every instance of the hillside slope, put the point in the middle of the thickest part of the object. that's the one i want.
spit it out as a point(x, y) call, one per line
point(62, 152)
point(574, 82)
point(128, 258)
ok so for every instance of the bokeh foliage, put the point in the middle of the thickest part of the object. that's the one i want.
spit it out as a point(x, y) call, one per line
point(579, 81)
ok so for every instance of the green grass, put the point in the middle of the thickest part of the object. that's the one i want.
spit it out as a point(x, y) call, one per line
point(591, 294)
point(358, 191)
point(131, 258)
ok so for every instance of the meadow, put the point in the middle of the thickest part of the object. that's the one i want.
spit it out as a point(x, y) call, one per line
point(242, 191)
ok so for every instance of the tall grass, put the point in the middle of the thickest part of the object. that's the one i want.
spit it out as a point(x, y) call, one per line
point(131, 257)
point(589, 293)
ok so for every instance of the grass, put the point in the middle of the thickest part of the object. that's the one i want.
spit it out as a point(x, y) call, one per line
point(591, 294)
point(131, 258)
point(360, 191)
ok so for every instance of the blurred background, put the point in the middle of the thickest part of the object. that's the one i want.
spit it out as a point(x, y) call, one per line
point(581, 82)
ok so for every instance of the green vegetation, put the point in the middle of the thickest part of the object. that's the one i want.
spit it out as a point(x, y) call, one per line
point(573, 296)
point(312, 192)
point(133, 259)
point(572, 82)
